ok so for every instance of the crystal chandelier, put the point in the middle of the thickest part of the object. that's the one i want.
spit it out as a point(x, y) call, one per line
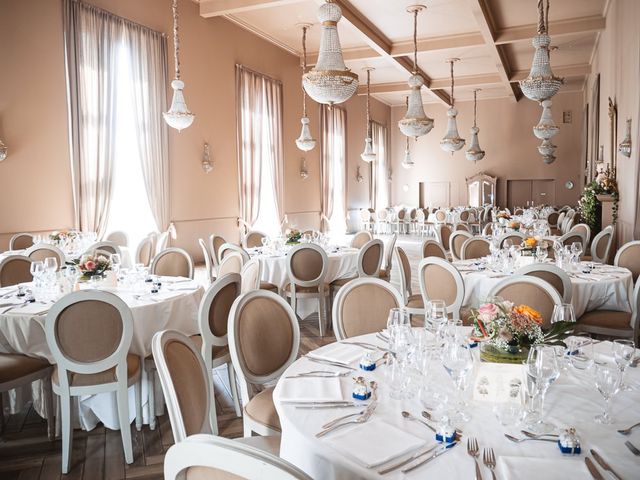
point(330, 81)
point(546, 127)
point(178, 116)
point(407, 162)
point(415, 123)
point(475, 153)
point(368, 155)
point(541, 84)
point(305, 141)
point(624, 147)
point(452, 141)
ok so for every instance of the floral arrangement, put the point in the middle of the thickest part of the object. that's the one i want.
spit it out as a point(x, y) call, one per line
point(91, 266)
point(529, 243)
point(62, 236)
point(515, 225)
point(293, 236)
point(604, 184)
point(503, 214)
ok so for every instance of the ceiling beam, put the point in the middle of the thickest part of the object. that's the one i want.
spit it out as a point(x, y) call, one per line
point(481, 12)
point(594, 23)
point(216, 8)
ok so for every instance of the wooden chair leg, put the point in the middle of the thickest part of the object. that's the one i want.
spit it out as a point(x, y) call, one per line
point(48, 408)
point(67, 431)
point(137, 388)
point(233, 384)
point(151, 387)
point(122, 398)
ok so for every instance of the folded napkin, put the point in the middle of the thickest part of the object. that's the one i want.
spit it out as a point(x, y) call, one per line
point(554, 466)
point(309, 390)
point(34, 308)
point(339, 352)
point(374, 442)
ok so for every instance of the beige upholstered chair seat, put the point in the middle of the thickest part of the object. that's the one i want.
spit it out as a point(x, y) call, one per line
point(108, 376)
point(266, 443)
point(262, 410)
point(341, 282)
point(14, 366)
point(607, 319)
point(415, 301)
point(268, 286)
point(313, 289)
point(218, 352)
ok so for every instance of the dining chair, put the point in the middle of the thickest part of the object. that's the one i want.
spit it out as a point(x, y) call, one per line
point(385, 272)
point(441, 216)
point(461, 227)
point(250, 274)
point(21, 241)
point(557, 229)
point(253, 239)
point(420, 222)
point(531, 291)
point(15, 269)
point(144, 251)
point(382, 221)
point(614, 323)
point(254, 317)
point(487, 230)
point(583, 230)
point(20, 370)
point(172, 262)
point(456, 240)
point(89, 334)
point(570, 237)
point(440, 280)
point(432, 248)
point(601, 245)
point(210, 457)
point(516, 238)
point(362, 307)
point(552, 219)
point(568, 225)
point(518, 211)
point(366, 219)
point(360, 238)
point(628, 256)
point(475, 247)
point(369, 257)
point(118, 237)
point(105, 248)
point(215, 242)
point(208, 266)
point(398, 221)
point(39, 252)
point(226, 248)
point(231, 263)
point(412, 303)
point(307, 266)
point(551, 274)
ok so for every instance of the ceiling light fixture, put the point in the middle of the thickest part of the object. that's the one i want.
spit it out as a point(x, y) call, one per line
point(407, 162)
point(3, 151)
point(415, 123)
point(330, 81)
point(368, 155)
point(475, 153)
point(178, 116)
point(624, 147)
point(305, 141)
point(452, 141)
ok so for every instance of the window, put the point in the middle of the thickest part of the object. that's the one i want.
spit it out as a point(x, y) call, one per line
point(334, 158)
point(379, 178)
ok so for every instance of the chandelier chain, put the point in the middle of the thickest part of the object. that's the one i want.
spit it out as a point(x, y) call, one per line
point(176, 39)
point(452, 84)
point(304, 68)
point(415, 41)
point(543, 17)
point(406, 101)
point(368, 92)
point(475, 106)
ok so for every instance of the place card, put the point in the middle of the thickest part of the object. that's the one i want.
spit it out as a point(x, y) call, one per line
point(499, 383)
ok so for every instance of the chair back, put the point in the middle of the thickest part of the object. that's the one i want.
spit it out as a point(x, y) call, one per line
point(39, 252)
point(172, 262)
point(404, 267)
point(561, 216)
point(441, 216)
point(531, 291)
point(440, 280)
point(118, 237)
point(555, 276)
point(231, 263)
point(401, 214)
point(213, 314)
point(370, 258)
point(251, 273)
point(105, 248)
point(307, 265)
point(570, 237)
point(15, 269)
point(185, 383)
point(383, 215)
point(21, 241)
point(144, 251)
point(388, 252)
point(552, 219)
point(601, 245)
point(464, 216)
point(456, 241)
point(365, 215)
point(215, 242)
point(360, 239)
point(362, 306)
point(253, 239)
point(515, 237)
point(212, 457)
point(420, 216)
point(628, 256)
point(461, 227)
point(475, 247)
point(412, 214)
point(226, 248)
point(432, 248)
point(89, 332)
point(518, 211)
point(487, 230)
point(444, 235)
point(207, 259)
point(583, 230)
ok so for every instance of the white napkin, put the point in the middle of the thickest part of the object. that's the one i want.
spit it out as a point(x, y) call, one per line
point(34, 308)
point(374, 442)
point(339, 352)
point(311, 390)
point(553, 467)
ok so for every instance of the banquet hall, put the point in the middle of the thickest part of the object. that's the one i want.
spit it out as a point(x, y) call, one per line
point(319, 239)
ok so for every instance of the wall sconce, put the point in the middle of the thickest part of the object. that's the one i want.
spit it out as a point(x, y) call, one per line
point(600, 160)
point(304, 173)
point(359, 177)
point(207, 165)
point(625, 146)
point(3, 151)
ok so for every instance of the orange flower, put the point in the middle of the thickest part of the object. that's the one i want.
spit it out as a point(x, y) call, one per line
point(530, 242)
point(534, 315)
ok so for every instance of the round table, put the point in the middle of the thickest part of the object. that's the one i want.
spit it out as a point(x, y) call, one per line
point(125, 254)
point(606, 288)
point(571, 401)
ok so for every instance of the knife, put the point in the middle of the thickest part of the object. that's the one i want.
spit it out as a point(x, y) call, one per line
point(420, 453)
point(604, 464)
point(593, 470)
point(427, 460)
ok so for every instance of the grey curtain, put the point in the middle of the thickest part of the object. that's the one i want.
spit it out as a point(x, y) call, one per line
point(333, 156)
point(379, 191)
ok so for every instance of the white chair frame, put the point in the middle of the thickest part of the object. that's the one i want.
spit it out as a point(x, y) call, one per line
point(583, 227)
point(145, 261)
point(212, 248)
point(161, 242)
point(547, 267)
point(207, 260)
point(431, 241)
point(623, 248)
point(504, 237)
point(388, 253)
point(232, 248)
point(120, 235)
point(405, 287)
point(10, 259)
point(469, 241)
point(100, 246)
point(232, 256)
point(244, 237)
point(454, 235)
point(253, 264)
point(370, 244)
point(607, 231)
point(172, 251)
point(361, 233)
point(453, 308)
point(55, 251)
point(16, 237)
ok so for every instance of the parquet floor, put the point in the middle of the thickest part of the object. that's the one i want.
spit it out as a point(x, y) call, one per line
point(27, 454)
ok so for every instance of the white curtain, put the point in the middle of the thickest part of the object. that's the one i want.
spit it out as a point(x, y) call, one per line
point(259, 137)
point(333, 168)
point(379, 169)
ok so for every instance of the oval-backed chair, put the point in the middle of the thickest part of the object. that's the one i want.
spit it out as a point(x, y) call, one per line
point(440, 280)
point(433, 248)
point(360, 239)
point(172, 262)
point(15, 269)
point(21, 241)
point(475, 247)
point(456, 241)
point(551, 274)
point(628, 256)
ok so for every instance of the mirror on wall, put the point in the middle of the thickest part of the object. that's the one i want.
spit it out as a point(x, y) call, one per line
point(481, 190)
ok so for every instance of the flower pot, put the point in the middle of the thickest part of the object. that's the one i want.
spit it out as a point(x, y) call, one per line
point(512, 354)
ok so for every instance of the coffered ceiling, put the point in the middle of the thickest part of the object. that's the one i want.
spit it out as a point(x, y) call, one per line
point(492, 38)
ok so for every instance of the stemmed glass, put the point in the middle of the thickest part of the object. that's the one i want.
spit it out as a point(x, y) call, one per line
point(541, 253)
point(116, 263)
point(435, 316)
point(36, 269)
point(608, 380)
point(563, 313)
point(51, 265)
point(542, 370)
point(623, 352)
point(580, 351)
point(72, 273)
point(576, 249)
point(458, 363)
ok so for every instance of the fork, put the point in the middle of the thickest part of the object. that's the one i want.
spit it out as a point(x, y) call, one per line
point(489, 459)
point(474, 451)
point(339, 419)
point(633, 448)
point(519, 440)
point(361, 419)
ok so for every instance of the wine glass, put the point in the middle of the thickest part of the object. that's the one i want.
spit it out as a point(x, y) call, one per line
point(116, 263)
point(563, 313)
point(72, 273)
point(623, 352)
point(435, 315)
point(542, 370)
point(576, 249)
point(50, 264)
point(458, 363)
point(541, 253)
point(608, 380)
point(580, 351)
point(36, 269)
point(265, 242)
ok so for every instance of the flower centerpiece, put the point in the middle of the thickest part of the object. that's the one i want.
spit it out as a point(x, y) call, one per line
point(60, 237)
point(529, 244)
point(293, 236)
point(515, 225)
point(507, 331)
point(503, 216)
point(92, 266)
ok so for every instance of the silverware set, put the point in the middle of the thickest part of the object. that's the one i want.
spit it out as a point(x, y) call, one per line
point(364, 416)
point(318, 374)
point(331, 363)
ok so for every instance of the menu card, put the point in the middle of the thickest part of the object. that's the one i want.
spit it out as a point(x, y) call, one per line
point(499, 383)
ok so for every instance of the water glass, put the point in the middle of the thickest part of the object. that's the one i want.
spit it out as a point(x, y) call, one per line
point(116, 263)
point(608, 378)
point(623, 353)
point(563, 313)
point(51, 264)
point(541, 254)
point(576, 249)
point(580, 351)
point(458, 362)
point(541, 368)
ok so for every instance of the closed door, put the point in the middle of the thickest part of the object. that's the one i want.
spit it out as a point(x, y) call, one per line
point(518, 193)
point(544, 192)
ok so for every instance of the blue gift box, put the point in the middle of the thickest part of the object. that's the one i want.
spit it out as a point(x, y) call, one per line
point(368, 367)
point(358, 396)
point(569, 450)
point(445, 439)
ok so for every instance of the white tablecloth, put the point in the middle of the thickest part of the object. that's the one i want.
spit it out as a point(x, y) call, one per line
point(25, 334)
point(601, 290)
point(571, 401)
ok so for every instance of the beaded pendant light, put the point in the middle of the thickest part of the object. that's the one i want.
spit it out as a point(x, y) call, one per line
point(178, 116)
point(452, 141)
point(305, 141)
point(368, 155)
point(541, 84)
point(407, 162)
point(475, 153)
point(415, 123)
point(330, 81)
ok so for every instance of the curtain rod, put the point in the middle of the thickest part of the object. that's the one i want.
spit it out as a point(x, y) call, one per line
point(260, 74)
point(118, 17)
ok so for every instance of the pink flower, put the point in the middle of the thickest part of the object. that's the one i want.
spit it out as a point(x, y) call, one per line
point(90, 265)
point(488, 310)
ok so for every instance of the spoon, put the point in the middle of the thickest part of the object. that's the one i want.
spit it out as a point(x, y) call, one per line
point(627, 431)
point(408, 416)
point(518, 440)
point(537, 435)
point(383, 359)
point(374, 390)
